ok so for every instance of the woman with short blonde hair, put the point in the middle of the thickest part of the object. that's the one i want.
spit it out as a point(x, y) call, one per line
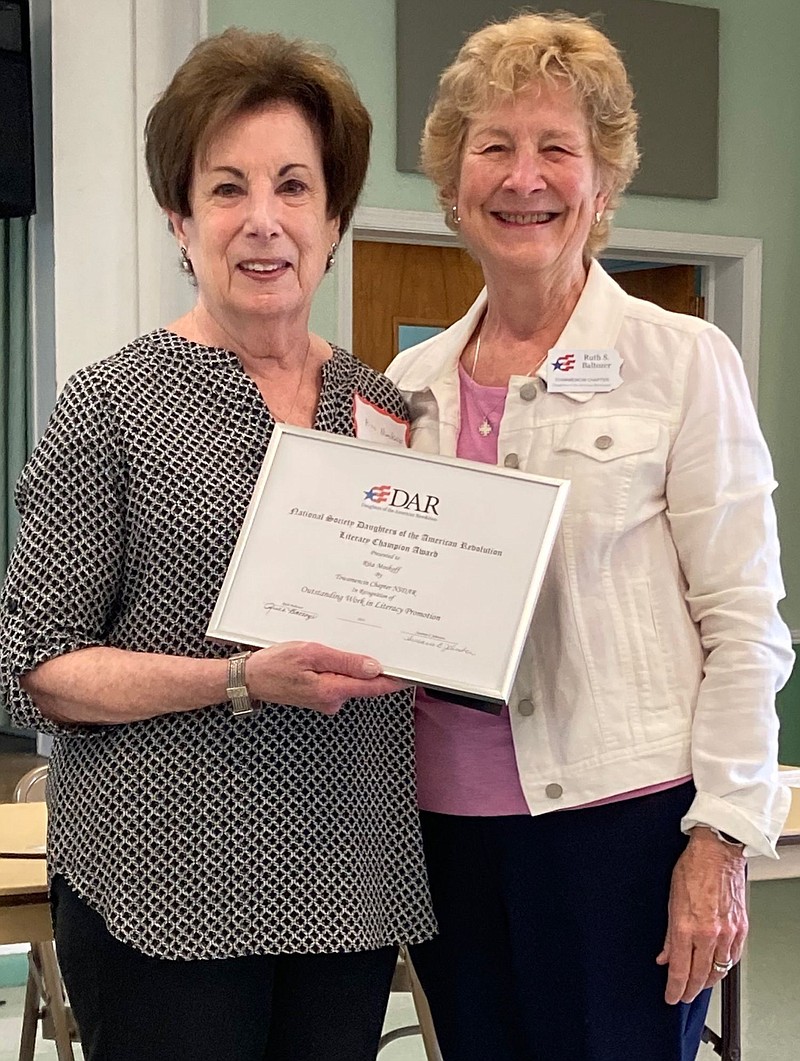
point(643, 710)
point(505, 58)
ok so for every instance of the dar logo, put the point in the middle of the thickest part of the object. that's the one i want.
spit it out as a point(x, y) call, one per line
point(565, 363)
point(378, 494)
point(396, 498)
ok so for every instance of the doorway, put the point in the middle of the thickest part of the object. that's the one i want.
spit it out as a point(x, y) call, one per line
point(403, 292)
point(730, 269)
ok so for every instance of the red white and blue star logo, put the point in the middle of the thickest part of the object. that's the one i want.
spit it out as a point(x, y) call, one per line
point(378, 494)
point(564, 363)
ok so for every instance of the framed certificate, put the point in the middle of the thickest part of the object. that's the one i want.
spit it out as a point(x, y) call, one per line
point(430, 564)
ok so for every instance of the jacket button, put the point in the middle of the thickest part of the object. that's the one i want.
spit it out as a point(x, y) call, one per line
point(528, 391)
point(604, 441)
point(554, 791)
point(511, 460)
point(525, 707)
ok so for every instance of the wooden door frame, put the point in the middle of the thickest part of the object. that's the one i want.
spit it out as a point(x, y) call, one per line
point(731, 285)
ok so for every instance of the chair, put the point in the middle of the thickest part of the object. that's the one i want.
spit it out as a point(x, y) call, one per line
point(405, 979)
point(729, 1043)
point(45, 997)
point(31, 786)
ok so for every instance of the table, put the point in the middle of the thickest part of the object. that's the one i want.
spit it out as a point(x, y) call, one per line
point(24, 907)
point(760, 868)
point(22, 830)
point(25, 918)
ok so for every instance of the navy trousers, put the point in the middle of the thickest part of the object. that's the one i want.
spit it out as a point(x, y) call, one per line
point(549, 931)
point(287, 1007)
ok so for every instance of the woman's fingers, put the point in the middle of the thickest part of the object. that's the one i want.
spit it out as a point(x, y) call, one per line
point(306, 674)
point(729, 955)
point(701, 970)
point(707, 917)
point(691, 965)
point(340, 689)
point(325, 660)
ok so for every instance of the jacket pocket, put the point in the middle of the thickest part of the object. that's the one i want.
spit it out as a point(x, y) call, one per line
point(610, 438)
point(616, 467)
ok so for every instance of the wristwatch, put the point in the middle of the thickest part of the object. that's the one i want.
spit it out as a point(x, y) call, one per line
point(726, 838)
point(237, 685)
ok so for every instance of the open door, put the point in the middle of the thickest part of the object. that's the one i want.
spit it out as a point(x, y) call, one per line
point(402, 292)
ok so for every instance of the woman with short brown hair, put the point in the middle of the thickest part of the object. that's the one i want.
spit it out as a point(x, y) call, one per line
point(237, 72)
point(231, 874)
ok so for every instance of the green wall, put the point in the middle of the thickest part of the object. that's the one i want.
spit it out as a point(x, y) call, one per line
point(789, 711)
point(759, 179)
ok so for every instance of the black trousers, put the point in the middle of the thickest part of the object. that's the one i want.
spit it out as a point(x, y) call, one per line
point(549, 931)
point(131, 1007)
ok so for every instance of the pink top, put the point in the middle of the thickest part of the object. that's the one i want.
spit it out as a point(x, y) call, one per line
point(465, 757)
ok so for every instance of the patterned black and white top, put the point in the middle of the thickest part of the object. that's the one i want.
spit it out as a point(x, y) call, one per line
point(198, 834)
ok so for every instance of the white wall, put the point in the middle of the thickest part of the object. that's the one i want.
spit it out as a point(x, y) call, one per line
point(116, 271)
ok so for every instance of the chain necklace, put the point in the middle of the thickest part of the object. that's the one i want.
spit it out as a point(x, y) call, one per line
point(485, 427)
point(287, 419)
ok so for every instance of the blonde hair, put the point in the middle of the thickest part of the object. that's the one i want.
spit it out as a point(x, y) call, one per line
point(504, 59)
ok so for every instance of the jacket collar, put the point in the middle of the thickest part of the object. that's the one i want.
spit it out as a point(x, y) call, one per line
point(595, 322)
point(594, 325)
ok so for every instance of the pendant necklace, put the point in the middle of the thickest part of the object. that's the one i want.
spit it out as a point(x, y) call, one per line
point(485, 427)
point(287, 419)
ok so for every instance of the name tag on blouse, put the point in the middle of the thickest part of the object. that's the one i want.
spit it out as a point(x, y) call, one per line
point(374, 424)
point(572, 371)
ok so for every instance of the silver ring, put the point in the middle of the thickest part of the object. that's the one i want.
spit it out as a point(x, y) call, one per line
point(722, 967)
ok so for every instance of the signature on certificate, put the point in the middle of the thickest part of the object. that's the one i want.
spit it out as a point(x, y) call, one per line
point(289, 609)
point(417, 637)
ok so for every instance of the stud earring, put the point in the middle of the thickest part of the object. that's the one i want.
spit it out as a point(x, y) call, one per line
point(186, 262)
point(598, 217)
point(331, 260)
point(454, 215)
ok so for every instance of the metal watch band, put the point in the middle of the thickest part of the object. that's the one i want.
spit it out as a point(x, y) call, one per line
point(237, 685)
point(726, 838)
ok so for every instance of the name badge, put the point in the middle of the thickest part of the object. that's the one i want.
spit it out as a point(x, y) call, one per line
point(573, 371)
point(374, 424)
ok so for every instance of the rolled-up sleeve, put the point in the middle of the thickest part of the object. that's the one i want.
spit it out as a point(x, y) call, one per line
point(63, 581)
point(719, 496)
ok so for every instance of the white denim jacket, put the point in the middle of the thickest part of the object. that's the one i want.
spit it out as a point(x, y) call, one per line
point(656, 647)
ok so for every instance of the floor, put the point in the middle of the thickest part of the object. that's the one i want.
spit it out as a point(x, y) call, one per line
point(10, 1024)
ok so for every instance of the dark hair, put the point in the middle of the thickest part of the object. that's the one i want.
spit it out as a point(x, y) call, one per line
point(236, 72)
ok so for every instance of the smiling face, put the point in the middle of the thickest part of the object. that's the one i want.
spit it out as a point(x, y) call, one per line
point(528, 186)
point(259, 236)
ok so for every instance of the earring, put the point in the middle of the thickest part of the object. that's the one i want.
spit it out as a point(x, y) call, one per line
point(598, 217)
point(331, 260)
point(454, 215)
point(186, 262)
